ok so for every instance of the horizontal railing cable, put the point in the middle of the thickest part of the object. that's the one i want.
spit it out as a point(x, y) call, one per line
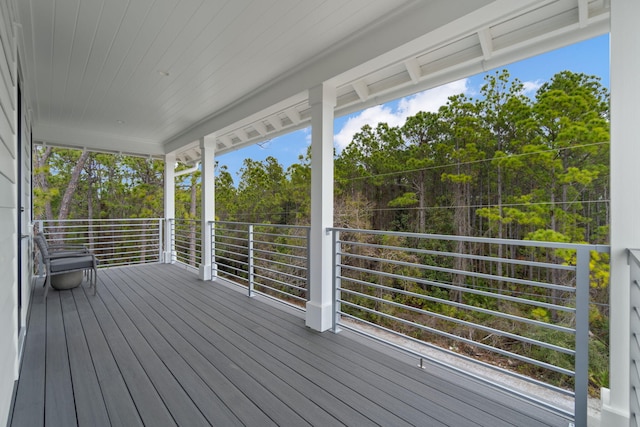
point(270, 259)
point(471, 291)
point(115, 242)
point(517, 303)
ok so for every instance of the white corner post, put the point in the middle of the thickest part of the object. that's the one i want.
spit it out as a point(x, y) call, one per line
point(169, 206)
point(322, 99)
point(207, 153)
point(625, 203)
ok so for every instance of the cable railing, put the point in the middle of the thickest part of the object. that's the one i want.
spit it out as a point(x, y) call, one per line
point(634, 262)
point(115, 242)
point(187, 241)
point(518, 307)
point(269, 259)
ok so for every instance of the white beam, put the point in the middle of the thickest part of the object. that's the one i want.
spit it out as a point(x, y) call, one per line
point(169, 205)
point(413, 68)
point(275, 122)
point(207, 147)
point(625, 202)
point(409, 25)
point(583, 13)
point(293, 115)
point(320, 305)
point(241, 134)
point(226, 140)
point(82, 138)
point(486, 43)
point(477, 65)
point(260, 127)
point(361, 89)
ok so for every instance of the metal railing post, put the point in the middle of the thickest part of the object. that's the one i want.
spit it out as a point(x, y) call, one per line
point(337, 271)
point(582, 336)
point(250, 259)
point(40, 227)
point(308, 262)
point(212, 242)
point(160, 240)
point(172, 240)
point(634, 348)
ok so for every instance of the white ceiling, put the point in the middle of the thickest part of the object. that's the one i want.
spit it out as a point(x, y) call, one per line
point(153, 76)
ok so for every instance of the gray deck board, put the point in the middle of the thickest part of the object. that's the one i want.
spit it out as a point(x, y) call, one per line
point(149, 404)
point(360, 361)
point(276, 369)
point(60, 408)
point(141, 339)
point(362, 397)
point(449, 395)
point(28, 409)
point(120, 407)
point(158, 347)
point(201, 395)
point(89, 403)
point(354, 370)
point(266, 390)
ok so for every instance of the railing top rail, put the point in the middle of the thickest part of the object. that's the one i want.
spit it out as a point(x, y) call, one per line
point(532, 243)
point(97, 220)
point(260, 224)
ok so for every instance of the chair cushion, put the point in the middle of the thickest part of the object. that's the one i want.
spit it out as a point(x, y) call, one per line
point(71, 263)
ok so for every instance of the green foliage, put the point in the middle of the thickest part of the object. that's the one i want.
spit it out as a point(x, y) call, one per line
point(108, 186)
point(500, 165)
point(407, 199)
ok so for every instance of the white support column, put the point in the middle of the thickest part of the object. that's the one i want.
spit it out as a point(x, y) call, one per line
point(625, 201)
point(169, 205)
point(207, 153)
point(319, 307)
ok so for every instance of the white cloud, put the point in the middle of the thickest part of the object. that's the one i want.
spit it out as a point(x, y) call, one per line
point(430, 100)
point(531, 87)
point(371, 116)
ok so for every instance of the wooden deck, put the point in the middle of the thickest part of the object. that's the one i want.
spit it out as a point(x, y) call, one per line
point(158, 347)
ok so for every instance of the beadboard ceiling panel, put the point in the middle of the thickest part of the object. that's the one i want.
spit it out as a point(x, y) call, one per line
point(153, 76)
point(148, 69)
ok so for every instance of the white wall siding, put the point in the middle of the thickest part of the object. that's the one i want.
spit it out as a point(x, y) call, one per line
point(27, 259)
point(8, 213)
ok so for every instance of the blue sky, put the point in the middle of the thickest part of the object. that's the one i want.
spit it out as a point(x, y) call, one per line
point(589, 57)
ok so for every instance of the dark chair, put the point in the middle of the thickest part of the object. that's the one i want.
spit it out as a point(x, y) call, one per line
point(60, 259)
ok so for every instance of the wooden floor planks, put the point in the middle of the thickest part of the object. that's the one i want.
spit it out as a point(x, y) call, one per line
point(158, 347)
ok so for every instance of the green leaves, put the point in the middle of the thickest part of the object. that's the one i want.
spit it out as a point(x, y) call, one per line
point(73, 184)
point(406, 200)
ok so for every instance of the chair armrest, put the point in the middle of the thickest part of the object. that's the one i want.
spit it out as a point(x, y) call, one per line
point(68, 254)
point(64, 246)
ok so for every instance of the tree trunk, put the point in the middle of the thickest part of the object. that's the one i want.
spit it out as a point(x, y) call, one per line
point(40, 181)
point(65, 204)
